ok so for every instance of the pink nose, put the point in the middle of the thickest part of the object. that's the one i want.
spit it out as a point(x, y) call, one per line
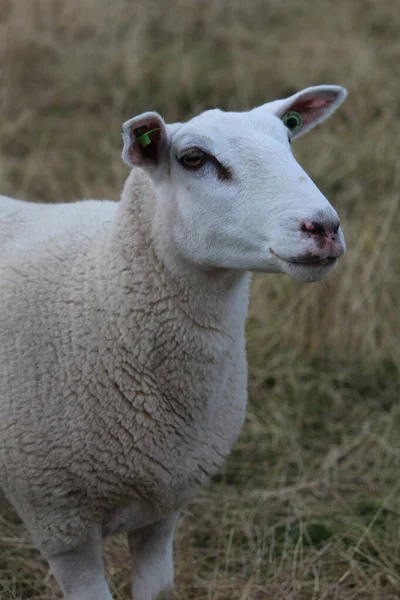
point(320, 229)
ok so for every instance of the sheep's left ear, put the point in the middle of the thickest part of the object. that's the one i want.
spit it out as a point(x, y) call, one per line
point(145, 141)
point(302, 111)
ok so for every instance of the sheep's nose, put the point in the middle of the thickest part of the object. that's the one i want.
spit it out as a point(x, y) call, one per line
point(319, 228)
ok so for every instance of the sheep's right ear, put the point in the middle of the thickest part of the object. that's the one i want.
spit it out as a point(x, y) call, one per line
point(145, 141)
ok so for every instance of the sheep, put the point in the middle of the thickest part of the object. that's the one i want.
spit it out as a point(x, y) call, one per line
point(123, 375)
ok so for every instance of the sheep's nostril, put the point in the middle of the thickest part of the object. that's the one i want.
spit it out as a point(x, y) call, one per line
point(313, 227)
point(318, 228)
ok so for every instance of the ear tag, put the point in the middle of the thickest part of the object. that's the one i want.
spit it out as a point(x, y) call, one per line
point(293, 121)
point(144, 139)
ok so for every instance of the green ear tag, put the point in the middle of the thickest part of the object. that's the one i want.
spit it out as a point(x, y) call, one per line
point(144, 139)
point(293, 121)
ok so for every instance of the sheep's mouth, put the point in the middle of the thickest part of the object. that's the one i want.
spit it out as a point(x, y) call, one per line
point(308, 260)
point(317, 262)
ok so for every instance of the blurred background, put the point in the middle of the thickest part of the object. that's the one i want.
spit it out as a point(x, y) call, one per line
point(308, 505)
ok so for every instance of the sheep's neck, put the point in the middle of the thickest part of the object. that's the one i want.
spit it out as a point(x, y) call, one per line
point(215, 299)
point(164, 331)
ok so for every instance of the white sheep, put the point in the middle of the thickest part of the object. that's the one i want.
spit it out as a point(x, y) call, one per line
point(122, 349)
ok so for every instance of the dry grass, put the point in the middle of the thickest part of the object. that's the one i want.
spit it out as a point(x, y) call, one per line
point(308, 505)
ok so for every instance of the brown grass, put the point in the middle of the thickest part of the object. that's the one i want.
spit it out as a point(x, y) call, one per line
point(308, 505)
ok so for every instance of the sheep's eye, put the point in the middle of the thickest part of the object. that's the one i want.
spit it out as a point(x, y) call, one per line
point(293, 121)
point(193, 160)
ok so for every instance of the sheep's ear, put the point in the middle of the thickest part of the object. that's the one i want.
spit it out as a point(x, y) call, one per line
point(302, 111)
point(145, 141)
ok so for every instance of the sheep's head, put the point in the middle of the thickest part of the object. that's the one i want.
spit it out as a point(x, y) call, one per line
point(236, 196)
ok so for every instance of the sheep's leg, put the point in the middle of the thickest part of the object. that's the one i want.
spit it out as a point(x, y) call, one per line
point(79, 572)
point(153, 570)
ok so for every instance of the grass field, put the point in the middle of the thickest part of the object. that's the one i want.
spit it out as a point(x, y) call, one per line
point(308, 505)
